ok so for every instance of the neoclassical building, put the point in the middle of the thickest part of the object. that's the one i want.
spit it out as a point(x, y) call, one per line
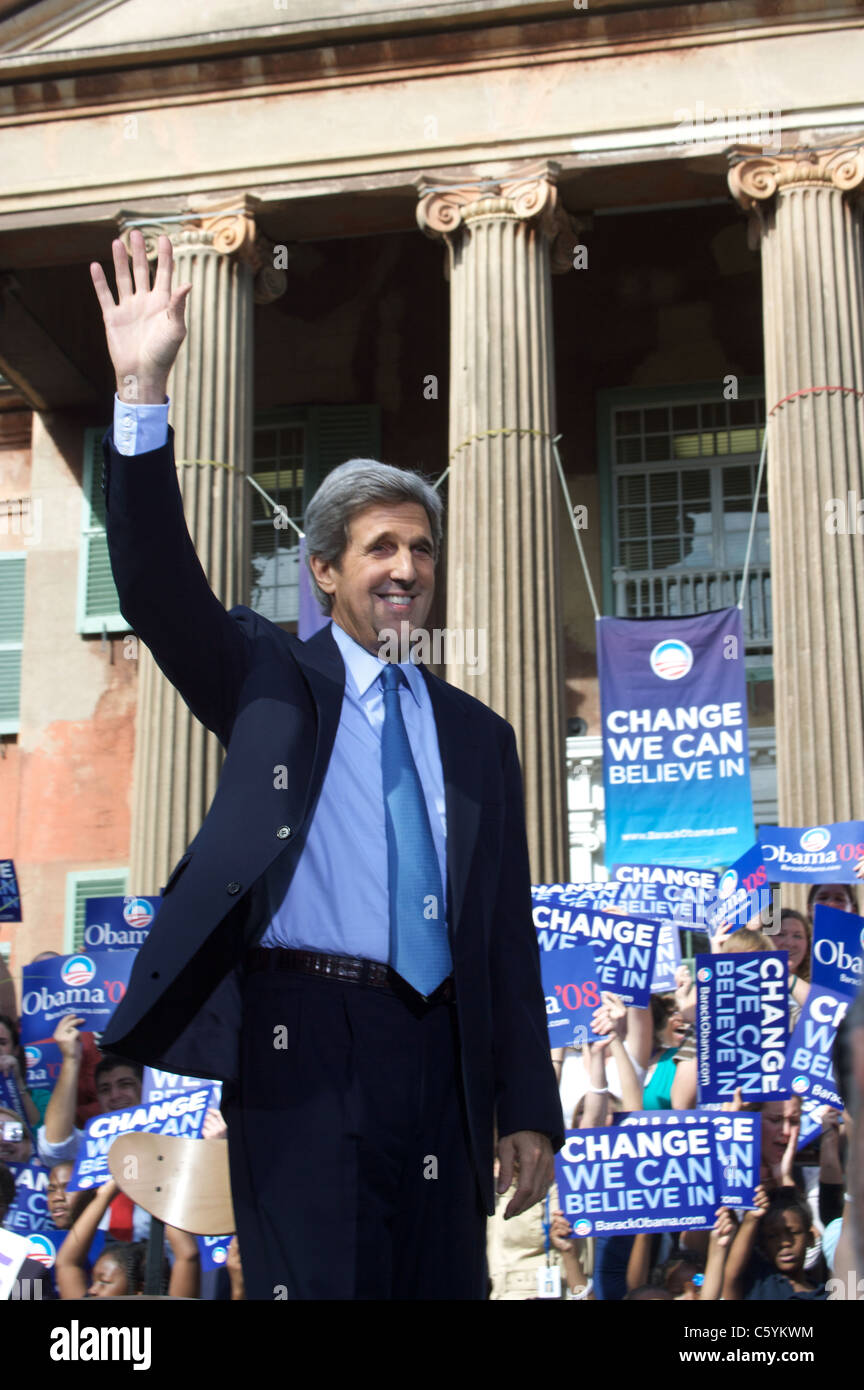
point(447, 235)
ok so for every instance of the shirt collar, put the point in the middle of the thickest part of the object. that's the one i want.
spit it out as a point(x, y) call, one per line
point(364, 668)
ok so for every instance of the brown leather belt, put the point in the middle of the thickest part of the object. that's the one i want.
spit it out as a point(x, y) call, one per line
point(348, 969)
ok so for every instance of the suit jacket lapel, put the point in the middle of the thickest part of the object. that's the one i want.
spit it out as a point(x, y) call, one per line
point(321, 663)
point(460, 763)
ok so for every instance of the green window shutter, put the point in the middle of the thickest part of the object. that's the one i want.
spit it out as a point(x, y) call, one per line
point(98, 604)
point(12, 569)
point(90, 885)
point(337, 433)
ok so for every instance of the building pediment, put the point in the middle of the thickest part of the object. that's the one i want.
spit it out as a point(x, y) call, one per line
point(100, 28)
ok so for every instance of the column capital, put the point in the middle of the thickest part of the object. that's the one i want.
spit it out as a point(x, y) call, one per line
point(755, 177)
point(227, 224)
point(529, 195)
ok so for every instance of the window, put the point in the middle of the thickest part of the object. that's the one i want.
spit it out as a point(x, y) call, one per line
point(11, 638)
point(98, 604)
point(683, 475)
point(88, 883)
point(293, 451)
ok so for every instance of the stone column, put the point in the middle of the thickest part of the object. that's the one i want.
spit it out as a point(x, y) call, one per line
point(177, 761)
point(805, 211)
point(504, 495)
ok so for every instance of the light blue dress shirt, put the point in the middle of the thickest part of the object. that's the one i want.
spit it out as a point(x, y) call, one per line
point(338, 900)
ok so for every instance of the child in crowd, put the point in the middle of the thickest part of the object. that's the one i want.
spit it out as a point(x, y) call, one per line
point(766, 1261)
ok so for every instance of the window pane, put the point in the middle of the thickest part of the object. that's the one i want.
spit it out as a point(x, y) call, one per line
point(696, 483)
point(663, 487)
point(633, 523)
point(628, 422)
point(631, 488)
point(629, 451)
point(665, 553)
point(685, 417)
point(657, 419)
point(664, 521)
point(657, 448)
point(634, 556)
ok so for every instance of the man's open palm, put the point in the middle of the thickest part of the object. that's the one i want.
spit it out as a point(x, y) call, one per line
point(145, 329)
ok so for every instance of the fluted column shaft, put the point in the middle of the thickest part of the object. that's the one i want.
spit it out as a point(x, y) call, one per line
point(807, 213)
point(503, 571)
point(177, 761)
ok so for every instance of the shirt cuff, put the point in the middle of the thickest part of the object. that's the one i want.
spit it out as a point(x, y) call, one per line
point(62, 1152)
point(138, 429)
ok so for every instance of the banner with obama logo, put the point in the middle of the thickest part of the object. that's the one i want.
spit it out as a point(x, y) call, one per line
point(676, 762)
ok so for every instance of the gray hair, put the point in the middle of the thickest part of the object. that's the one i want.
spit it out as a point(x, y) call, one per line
point(347, 490)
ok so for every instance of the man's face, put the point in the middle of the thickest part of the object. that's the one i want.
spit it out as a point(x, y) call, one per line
point(58, 1202)
point(833, 895)
point(118, 1089)
point(385, 579)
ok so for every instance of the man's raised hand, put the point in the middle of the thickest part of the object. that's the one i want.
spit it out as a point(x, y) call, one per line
point(145, 329)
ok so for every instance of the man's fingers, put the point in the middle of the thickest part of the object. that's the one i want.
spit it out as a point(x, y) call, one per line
point(164, 266)
point(505, 1174)
point(100, 285)
point(140, 267)
point(121, 270)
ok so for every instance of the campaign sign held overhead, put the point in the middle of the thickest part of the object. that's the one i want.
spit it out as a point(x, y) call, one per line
point(213, 1251)
point(808, 1071)
point(625, 947)
point(163, 1085)
point(661, 890)
point(742, 892)
point(44, 1061)
point(813, 853)
point(658, 1170)
point(838, 949)
point(572, 994)
point(10, 900)
point(89, 985)
point(742, 1025)
point(118, 923)
point(181, 1115)
point(676, 763)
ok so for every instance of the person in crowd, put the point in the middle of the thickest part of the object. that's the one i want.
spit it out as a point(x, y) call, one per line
point(670, 1030)
point(117, 1083)
point(766, 1260)
point(795, 936)
point(687, 1275)
point(33, 1281)
point(119, 1269)
point(235, 1271)
point(13, 1064)
point(843, 896)
point(59, 1201)
point(16, 1146)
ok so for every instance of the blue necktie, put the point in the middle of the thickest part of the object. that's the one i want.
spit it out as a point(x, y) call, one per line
point(419, 949)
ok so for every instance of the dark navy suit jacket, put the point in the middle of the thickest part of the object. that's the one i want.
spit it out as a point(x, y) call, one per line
point(271, 699)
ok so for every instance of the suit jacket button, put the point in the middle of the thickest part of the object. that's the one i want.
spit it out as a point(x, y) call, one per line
point(234, 887)
point(283, 832)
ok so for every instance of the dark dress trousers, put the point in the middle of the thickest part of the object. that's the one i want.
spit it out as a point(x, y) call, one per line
point(328, 1085)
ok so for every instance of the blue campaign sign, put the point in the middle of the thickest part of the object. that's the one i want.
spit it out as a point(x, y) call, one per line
point(10, 900)
point(213, 1251)
point(668, 958)
point(808, 1071)
point(813, 853)
point(742, 1025)
point(676, 764)
point(88, 985)
point(738, 1137)
point(838, 948)
point(44, 1061)
point(181, 1115)
point(572, 992)
point(162, 1085)
point(118, 923)
point(10, 1095)
point(742, 891)
point(625, 948)
point(28, 1215)
point(655, 1171)
point(661, 890)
